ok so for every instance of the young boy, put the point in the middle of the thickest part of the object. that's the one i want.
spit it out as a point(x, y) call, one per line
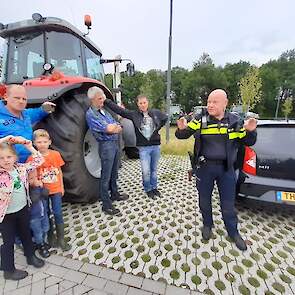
point(50, 175)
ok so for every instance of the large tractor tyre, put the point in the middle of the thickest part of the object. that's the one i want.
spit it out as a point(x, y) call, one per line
point(71, 137)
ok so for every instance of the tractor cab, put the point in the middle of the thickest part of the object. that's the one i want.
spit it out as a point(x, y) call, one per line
point(33, 49)
point(32, 43)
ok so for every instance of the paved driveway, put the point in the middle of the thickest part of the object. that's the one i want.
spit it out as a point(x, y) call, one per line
point(160, 239)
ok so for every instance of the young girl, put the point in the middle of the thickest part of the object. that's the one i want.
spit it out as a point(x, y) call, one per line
point(14, 201)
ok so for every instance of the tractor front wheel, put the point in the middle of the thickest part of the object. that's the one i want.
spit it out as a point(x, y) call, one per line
point(71, 137)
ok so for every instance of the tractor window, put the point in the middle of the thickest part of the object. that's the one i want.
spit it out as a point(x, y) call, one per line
point(94, 67)
point(26, 57)
point(64, 52)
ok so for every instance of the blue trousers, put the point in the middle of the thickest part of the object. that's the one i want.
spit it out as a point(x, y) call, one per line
point(109, 155)
point(149, 158)
point(54, 205)
point(207, 175)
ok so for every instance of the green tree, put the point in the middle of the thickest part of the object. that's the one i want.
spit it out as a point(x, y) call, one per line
point(178, 76)
point(287, 107)
point(250, 88)
point(108, 80)
point(234, 73)
point(131, 88)
point(270, 77)
point(199, 82)
point(154, 88)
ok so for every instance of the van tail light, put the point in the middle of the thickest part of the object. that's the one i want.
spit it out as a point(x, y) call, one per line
point(249, 165)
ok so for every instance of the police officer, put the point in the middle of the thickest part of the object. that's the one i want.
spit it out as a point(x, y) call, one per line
point(218, 135)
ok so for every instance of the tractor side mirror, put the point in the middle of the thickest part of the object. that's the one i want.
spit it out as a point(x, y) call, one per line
point(130, 69)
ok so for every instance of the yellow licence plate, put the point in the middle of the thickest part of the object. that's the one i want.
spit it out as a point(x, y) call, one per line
point(286, 196)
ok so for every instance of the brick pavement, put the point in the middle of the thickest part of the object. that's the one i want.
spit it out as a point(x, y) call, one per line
point(66, 276)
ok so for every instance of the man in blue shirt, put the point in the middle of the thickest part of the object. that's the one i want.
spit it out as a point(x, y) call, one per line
point(105, 130)
point(16, 120)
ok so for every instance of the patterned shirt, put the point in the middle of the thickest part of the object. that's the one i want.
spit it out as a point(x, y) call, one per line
point(19, 196)
point(147, 126)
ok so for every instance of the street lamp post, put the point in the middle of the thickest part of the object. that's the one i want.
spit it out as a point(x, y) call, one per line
point(168, 93)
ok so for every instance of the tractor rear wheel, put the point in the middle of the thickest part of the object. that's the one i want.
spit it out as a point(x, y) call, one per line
point(71, 137)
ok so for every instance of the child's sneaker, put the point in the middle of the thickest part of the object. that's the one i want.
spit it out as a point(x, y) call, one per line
point(43, 251)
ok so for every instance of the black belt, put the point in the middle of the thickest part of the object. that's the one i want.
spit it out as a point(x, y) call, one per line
point(215, 162)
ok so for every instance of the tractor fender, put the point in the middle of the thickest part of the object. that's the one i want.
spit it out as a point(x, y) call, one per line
point(37, 94)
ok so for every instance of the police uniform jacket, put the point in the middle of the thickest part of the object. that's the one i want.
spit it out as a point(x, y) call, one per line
point(218, 140)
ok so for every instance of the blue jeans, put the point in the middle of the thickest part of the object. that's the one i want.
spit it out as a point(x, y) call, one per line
point(39, 222)
point(54, 205)
point(109, 155)
point(149, 158)
point(207, 174)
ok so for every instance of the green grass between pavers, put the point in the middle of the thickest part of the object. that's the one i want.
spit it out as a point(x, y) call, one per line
point(175, 146)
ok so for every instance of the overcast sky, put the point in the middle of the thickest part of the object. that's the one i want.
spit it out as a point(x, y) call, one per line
point(229, 30)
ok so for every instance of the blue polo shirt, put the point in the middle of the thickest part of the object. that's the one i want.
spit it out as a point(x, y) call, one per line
point(97, 121)
point(12, 125)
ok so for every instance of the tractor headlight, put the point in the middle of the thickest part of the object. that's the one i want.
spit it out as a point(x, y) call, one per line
point(48, 67)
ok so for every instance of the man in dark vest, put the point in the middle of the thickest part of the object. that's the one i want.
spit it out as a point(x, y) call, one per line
point(218, 134)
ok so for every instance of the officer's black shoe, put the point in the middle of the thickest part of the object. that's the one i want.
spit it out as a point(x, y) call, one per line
point(240, 243)
point(206, 233)
point(151, 194)
point(15, 275)
point(111, 211)
point(119, 197)
point(156, 192)
point(35, 261)
point(43, 251)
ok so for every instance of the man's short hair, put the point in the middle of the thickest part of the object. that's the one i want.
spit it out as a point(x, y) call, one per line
point(11, 86)
point(41, 133)
point(92, 91)
point(140, 96)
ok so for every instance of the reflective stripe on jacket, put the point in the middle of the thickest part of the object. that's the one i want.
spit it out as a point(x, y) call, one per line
point(215, 129)
point(236, 135)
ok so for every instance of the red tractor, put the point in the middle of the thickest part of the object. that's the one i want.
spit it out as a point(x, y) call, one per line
point(33, 48)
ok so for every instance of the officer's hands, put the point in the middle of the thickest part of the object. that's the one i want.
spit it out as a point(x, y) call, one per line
point(250, 124)
point(181, 123)
point(48, 107)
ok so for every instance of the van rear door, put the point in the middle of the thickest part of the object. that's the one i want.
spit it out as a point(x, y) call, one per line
point(275, 151)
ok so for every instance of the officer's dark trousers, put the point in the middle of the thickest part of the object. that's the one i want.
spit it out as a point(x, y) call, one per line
point(207, 174)
point(13, 223)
